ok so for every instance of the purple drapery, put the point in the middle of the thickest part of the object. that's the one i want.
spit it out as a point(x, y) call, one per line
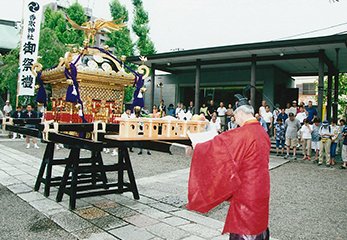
point(72, 92)
point(41, 96)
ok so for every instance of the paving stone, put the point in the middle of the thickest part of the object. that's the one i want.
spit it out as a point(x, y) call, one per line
point(223, 237)
point(105, 204)
point(45, 205)
point(18, 172)
point(30, 183)
point(10, 169)
point(175, 200)
point(6, 181)
point(175, 221)
point(20, 188)
point(93, 199)
point(92, 233)
point(119, 198)
point(163, 207)
point(32, 172)
point(140, 220)
point(70, 221)
point(194, 217)
point(167, 187)
point(90, 213)
point(121, 211)
point(154, 213)
point(79, 203)
point(130, 232)
point(146, 200)
point(167, 232)
point(31, 196)
point(108, 222)
point(25, 177)
point(100, 236)
point(139, 206)
point(125, 201)
point(193, 238)
point(56, 210)
point(200, 230)
point(152, 193)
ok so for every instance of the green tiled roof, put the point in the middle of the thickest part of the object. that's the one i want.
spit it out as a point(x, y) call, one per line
point(9, 37)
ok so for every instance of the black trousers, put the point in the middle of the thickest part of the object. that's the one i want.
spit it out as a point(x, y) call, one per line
point(262, 236)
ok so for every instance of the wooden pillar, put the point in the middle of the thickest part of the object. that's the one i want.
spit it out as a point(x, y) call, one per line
point(151, 99)
point(320, 84)
point(336, 86)
point(253, 79)
point(329, 93)
point(197, 86)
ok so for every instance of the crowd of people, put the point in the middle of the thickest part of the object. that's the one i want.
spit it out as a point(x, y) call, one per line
point(21, 113)
point(220, 117)
point(298, 126)
point(292, 127)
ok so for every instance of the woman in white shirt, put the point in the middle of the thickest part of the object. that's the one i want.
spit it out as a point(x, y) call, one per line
point(306, 137)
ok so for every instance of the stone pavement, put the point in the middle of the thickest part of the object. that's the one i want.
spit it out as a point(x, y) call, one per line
point(159, 214)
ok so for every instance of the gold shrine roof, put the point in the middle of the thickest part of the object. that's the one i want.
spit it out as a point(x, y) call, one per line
point(92, 64)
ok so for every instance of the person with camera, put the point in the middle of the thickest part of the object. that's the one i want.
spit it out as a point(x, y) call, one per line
point(325, 133)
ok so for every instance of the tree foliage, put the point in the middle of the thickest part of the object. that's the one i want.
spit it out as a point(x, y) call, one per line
point(56, 21)
point(50, 48)
point(120, 41)
point(342, 93)
point(9, 74)
point(140, 27)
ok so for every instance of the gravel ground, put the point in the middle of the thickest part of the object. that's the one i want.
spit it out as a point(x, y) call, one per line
point(307, 201)
point(18, 220)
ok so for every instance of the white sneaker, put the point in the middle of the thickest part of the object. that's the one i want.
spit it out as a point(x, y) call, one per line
point(114, 153)
point(36, 147)
point(297, 146)
point(28, 146)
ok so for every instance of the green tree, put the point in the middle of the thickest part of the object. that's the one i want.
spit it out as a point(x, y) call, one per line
point(140, 26)
point(342, 93)
point(50, 48)
point(9, 74)
point(120, 40)
point(56, 21)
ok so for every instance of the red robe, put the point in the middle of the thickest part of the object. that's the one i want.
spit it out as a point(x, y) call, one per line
point(234, 167)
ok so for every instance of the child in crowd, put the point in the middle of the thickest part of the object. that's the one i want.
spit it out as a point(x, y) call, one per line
point(334, 139)
point(306, 138)
point(279, 133)
point(315, 137)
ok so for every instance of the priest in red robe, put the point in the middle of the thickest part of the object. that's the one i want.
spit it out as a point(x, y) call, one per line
point(234, 167)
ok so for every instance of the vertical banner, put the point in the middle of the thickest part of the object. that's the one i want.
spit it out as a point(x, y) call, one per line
point(29, 46)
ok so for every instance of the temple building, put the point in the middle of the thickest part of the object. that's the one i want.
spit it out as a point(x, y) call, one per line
point(218, 73)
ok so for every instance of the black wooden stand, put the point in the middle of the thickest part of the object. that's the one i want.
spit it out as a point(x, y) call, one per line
point(77, 188)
